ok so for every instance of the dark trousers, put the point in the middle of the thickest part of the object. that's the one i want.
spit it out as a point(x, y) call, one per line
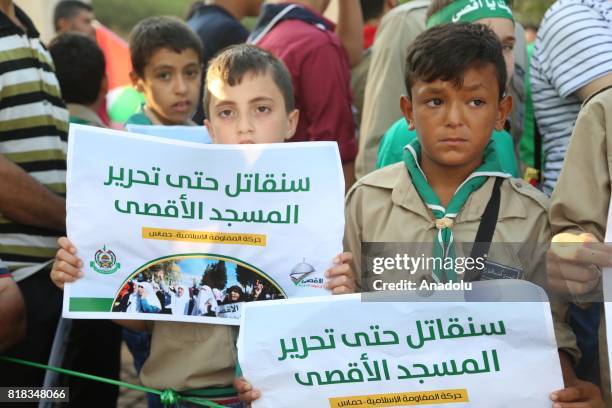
point(93, 347)
point(43, 306)
point(585, 323)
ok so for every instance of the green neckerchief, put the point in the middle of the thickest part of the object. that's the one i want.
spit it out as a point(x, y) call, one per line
point(444, 246)
point(469, 11)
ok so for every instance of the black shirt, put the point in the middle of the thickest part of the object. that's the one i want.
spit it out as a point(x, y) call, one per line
point(217, 29)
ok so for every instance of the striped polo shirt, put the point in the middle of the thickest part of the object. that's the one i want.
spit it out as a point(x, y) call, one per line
point(33, 134)
point(572, 49)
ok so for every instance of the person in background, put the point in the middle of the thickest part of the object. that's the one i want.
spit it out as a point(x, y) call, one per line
point(373, 12)
point(79, 66)
point(167, 63)
point(33, 135)
point(572, 60)
point(74, 15)
point(531, 32)
point(166, 59)
point(217, 23)
point(385, 85)
point(318, 55)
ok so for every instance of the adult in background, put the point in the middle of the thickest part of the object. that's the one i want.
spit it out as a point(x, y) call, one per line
point(78, 17)
point(373, 11)
point(572, 60)
point(385, 85)
point(33, 134)
point(217, 23)
point(319, 55)
point(74, 15)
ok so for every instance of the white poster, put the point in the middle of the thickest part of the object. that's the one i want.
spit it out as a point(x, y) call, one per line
point(173, 230)
point(344, 351)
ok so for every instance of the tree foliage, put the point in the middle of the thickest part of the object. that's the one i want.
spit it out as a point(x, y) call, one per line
point(121, 15)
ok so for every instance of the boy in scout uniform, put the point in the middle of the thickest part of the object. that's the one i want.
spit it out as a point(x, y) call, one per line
point(450, 187)
point(579, 214)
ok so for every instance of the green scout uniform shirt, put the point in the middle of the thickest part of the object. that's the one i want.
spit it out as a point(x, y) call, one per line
point(392, 145)
point(82, 115)
point(581, 198)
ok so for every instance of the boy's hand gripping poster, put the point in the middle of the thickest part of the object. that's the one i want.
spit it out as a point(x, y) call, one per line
point(173, 230)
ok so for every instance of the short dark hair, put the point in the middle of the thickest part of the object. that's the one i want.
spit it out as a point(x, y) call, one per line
point(446, 51)
point(154, 33)
point(371, 9)
point(79, 67)
point(234, 62)
point(68, 9)
point(437, 5)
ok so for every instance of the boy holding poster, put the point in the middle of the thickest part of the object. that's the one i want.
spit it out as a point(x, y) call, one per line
point(248, 99)
point(456, 78)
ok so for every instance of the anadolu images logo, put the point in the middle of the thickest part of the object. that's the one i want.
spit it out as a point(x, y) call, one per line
point(105, 262)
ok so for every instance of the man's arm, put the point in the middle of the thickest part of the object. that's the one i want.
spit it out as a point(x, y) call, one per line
point(348, 169)
point(26, 201)
point(594, 86)
point(350, 29)
point(12, 313)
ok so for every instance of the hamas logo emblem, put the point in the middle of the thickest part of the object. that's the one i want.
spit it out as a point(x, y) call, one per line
point(105, 262)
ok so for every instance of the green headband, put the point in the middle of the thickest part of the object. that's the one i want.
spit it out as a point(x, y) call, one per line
point(469, 11)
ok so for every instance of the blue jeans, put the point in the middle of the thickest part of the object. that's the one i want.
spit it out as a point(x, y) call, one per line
point(585, 323)
point(139, 344)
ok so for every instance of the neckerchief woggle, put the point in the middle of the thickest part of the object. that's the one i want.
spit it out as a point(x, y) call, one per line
point(444, 246)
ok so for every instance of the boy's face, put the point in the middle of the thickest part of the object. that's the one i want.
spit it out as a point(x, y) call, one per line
point(504, 29)
point(171, 84)
point(252, 111)
point(455, 124)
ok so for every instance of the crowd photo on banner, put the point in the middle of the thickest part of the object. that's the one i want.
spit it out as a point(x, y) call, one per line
point(305, 203)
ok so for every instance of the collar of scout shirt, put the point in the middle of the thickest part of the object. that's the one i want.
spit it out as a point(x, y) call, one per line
point(84, 113)
point(444, 246)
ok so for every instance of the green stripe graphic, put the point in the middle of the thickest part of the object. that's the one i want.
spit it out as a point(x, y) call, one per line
point(84, 304)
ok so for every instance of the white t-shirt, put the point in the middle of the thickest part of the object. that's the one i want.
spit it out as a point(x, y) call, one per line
point(572, 49)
